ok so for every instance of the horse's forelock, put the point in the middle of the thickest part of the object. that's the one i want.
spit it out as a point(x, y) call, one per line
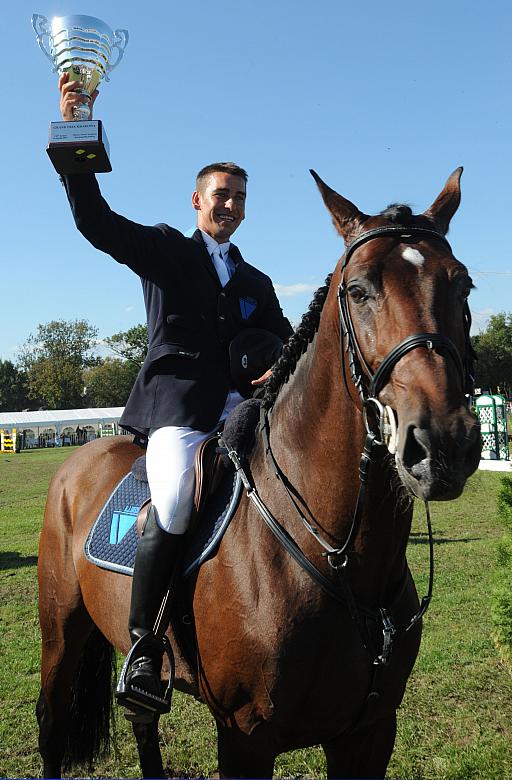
point(397, 212)
point(402, 214)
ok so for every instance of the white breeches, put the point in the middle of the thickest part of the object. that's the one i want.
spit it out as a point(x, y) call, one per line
point(170, 467)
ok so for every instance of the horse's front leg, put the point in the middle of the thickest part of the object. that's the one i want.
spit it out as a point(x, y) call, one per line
point(362, 754)
point(150, 756)
point(243, 756)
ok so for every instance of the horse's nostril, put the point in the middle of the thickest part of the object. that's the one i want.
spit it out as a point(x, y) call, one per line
point(416, 447)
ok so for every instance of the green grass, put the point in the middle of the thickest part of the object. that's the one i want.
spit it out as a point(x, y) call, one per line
point(455, 721)
point(502, 602)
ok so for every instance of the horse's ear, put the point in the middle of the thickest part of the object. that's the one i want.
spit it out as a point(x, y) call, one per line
point(446, 203)
point(346, 217)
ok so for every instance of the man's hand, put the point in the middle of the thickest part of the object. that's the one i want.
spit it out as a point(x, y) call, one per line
point(69, 98)
point(262, 379)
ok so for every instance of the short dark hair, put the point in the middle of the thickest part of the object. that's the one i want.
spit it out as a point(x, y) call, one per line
point(220, 167)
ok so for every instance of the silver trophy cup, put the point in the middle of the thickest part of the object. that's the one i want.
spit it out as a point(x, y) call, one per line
point(87, 49)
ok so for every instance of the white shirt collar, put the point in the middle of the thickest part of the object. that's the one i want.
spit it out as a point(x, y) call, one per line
point(211, 244)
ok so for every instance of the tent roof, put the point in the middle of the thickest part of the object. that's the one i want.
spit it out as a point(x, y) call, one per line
point(60, 417)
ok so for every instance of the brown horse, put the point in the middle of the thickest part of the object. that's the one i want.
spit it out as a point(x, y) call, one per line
point(293, 652)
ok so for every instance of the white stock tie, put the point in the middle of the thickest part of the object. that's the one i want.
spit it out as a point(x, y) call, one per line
point(220, 266)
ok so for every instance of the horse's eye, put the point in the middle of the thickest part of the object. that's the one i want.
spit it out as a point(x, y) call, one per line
point(465, 288)
point(357, 294)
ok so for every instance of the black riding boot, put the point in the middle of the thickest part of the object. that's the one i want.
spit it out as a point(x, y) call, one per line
point(156, 561)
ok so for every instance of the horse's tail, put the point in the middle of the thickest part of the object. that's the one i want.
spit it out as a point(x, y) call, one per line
point(91, 712)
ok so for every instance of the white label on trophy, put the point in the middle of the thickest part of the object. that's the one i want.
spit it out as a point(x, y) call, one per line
point(71, 132)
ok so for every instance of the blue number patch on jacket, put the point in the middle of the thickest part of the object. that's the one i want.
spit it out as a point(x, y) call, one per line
point(247, 306)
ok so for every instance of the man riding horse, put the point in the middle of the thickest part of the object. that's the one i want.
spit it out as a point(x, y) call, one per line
point(199, 295)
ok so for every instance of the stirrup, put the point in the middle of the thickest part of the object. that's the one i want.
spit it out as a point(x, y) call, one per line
point(139, 703)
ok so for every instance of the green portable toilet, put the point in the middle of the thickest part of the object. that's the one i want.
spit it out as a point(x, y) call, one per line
point(492, 415)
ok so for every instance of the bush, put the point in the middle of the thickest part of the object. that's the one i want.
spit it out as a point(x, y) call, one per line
point(502, 601)
point(505, 502)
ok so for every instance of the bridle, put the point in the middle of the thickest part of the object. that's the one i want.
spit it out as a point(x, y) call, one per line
point(368, 384)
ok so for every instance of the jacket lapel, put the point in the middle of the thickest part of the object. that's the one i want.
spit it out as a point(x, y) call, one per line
point(242, 280)
point(247, 304)
point(237, 258)
point(205, 256)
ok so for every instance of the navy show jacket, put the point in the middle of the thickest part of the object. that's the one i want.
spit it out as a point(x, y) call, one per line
point(185, 377)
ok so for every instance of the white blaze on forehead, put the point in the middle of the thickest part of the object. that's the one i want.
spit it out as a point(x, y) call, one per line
point(413, 256)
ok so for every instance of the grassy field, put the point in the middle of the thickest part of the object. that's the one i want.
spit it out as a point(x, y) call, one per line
point(456, 719)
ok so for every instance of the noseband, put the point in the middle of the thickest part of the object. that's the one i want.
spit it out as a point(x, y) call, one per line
point(375, 381)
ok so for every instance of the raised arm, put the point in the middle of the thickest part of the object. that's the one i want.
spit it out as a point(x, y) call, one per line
point(137, 246)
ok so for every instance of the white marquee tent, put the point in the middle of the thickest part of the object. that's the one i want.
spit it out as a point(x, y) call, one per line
point(60, 418)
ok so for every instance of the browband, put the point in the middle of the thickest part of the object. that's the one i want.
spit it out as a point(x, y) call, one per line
point(391, 231)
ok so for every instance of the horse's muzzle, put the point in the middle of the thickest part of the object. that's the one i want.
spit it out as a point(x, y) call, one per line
point(434, 462)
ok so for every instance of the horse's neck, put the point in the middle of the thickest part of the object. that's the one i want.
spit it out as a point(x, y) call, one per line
point(316, 427)
point(317, 435)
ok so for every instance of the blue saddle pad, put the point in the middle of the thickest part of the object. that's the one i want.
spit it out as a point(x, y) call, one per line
point(112, 541)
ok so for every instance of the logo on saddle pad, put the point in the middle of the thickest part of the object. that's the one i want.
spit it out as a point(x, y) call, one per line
point(122, 522)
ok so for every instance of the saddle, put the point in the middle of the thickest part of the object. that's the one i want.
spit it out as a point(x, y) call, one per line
point(209, 468)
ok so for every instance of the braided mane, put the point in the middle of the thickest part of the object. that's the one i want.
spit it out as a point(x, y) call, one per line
point(296, 345)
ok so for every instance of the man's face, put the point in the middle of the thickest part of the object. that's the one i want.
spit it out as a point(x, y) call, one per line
point(220, 205)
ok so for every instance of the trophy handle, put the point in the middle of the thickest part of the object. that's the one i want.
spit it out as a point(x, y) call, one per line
point(42, 29)
point(120, 43)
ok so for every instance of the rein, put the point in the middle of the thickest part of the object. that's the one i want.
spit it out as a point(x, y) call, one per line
point(368, 384)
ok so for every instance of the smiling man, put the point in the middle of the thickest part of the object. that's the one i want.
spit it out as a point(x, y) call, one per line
point(200, 295)
point(220, 200)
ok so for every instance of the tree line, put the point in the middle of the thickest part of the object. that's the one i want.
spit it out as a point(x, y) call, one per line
point(59, 367)
point(493, 347)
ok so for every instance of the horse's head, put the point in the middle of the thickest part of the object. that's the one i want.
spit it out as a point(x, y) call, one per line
point(404, 314)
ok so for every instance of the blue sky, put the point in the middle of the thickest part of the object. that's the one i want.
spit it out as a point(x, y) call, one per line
point(384, 100)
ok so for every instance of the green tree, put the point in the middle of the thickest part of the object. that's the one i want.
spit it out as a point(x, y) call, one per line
point(493, 347)
point(109, 383)
point(131, 344)
point(13, 395)
point(54, 359)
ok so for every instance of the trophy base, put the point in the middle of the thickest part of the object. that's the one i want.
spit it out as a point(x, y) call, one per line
point(79, 147)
